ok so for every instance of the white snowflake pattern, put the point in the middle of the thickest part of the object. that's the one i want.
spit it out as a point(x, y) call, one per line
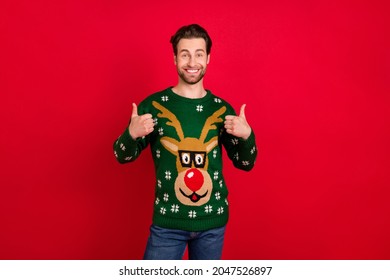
point(116, 154)
point(226, 201)
point(221, 183)
point(163, 210)
point(216, 174)
point(236, 157)
point(175, 208)
point(164, 98)
point(217, 100)
point(245, 163)
point(158, 153)
point(217, 195)
point(253, 150)
point(157, 201)
point(161, 131)
point(235, 141)
point(208, 208)
point(199, 108)
point(128, 158)
point(159, 183)
point(220, 210)
point(215, 153)
point(192, 214)
point(166, 197)
point(155, 121)
point(168, 175)
point(123, 147)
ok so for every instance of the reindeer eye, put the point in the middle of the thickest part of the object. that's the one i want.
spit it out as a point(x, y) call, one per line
point(185, 158)
point(199, 159)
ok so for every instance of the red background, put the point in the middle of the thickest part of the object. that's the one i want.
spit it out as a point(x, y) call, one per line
point(315, 76)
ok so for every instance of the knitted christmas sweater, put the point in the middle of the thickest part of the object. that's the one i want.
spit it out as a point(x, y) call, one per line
point(186, 146)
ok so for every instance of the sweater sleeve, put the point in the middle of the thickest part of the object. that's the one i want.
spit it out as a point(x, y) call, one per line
point(242, 152)
point(126, 149)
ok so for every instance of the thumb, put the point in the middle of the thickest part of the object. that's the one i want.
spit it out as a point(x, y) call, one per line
point(242, 111)
point(135, 111)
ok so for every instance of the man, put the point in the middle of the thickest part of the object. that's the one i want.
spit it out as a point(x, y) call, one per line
point(186, 127)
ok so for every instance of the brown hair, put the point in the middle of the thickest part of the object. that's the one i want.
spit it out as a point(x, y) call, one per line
point(189, 32)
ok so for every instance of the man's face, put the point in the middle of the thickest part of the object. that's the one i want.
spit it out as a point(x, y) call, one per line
point(191, 60)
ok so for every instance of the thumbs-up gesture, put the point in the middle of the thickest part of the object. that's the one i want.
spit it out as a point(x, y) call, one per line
point(237, 125)
point(140, 125)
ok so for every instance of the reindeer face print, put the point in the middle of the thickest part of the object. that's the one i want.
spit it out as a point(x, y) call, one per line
point(193, 185)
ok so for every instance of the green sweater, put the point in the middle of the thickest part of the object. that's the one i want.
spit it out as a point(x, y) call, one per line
point(186, 146)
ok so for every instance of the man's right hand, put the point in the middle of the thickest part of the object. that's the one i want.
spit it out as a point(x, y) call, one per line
point(140, 126)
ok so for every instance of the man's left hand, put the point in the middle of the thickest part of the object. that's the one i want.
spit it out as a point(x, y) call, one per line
point(237, 125)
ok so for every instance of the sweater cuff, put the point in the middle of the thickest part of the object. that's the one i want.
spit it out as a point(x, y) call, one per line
point(126, 138)
point(251, 141)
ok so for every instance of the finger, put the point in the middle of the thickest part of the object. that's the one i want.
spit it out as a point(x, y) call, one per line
point(150, 130)
point(229, 117)
point(146, 117)
point(234, 121)
point(228, 122)
point(242, 111)
point(229, 127)
point(229, 130)
point(134, 113)
point(148, 123)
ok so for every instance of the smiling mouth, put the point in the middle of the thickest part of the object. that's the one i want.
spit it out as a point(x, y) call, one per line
point(194, 197)
point(192, 71)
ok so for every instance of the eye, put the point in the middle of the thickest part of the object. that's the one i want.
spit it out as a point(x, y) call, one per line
point(199, 159)
point(185, 158)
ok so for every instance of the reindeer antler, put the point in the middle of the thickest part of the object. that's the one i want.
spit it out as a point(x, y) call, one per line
point(209, 124)
point(173, 121)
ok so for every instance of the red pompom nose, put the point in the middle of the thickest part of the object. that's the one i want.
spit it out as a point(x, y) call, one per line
point(193, 179)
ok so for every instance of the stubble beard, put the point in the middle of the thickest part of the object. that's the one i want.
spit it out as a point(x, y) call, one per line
point(191, 80)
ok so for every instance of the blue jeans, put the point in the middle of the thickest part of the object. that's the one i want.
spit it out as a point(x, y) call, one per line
point(170, 244)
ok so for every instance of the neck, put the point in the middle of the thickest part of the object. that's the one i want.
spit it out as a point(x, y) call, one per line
point(190, 91)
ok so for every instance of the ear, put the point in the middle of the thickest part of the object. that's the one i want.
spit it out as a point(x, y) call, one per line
point(208, 59)
point(175, 59)
point(211, 144)
point(170, 144)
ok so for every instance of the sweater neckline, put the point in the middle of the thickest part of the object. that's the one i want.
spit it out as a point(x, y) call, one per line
point(189, 100)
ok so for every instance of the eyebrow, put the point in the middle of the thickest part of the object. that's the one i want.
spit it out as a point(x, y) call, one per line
point(198, 50)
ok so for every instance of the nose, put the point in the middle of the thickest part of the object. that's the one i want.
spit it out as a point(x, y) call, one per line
point(193, 179)
point(191, 61)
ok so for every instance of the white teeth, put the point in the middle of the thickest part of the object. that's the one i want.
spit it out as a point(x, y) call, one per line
point(192, 71)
